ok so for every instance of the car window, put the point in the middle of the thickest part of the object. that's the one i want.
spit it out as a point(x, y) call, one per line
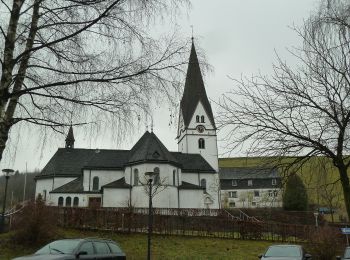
point(88, 248)
point(101, 248)
point(114, 248)
point(347, 253)
point(280, 251)
point(65, 246)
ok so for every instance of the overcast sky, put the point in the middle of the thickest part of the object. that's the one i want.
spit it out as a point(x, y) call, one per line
point(239, 37)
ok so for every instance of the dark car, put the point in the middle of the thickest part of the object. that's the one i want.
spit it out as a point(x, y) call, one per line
point(87, 248)
point(346, 254)
point(285, 252)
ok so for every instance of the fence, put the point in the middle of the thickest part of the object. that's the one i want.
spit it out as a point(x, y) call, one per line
point(189, 222)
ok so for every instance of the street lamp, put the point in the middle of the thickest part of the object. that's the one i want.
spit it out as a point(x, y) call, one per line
point(150, 176)
point(7, 173)
point(316, 218)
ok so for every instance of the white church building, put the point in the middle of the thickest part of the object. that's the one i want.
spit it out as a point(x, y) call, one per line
point(187, 178)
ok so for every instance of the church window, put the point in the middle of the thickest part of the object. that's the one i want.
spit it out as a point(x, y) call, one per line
point(136, 177)
point(44, 191)
point(60, 201)
point(201, 143)
point(68, 201)
point(156, 176)
point(197, 119)
point(75, 202)
point(95, 183)
point(204, 183)
point(202, 119)
point(174, 177)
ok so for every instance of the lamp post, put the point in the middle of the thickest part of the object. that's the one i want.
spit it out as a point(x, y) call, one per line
point(316, 218)
point(150, 176)
point(7, 173)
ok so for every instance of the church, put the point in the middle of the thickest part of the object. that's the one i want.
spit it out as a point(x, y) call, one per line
point(187, 178)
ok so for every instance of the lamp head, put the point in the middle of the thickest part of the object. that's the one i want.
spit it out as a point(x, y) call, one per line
point(7, 172)
point(150, 175)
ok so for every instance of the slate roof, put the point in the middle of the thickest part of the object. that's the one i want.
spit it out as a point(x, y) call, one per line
point(193, 162)
point(150, 148)
point(118, 184)
point(75, 186)
point(67, 162)
point(108, 159)
point(189, 186)
point(237, 173)
point(194, 91)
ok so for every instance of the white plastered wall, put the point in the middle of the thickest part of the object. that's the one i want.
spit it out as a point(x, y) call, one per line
point(83, 198)
point(113, 197)
point(191, 199)
point(50, 184)
point(105, 177)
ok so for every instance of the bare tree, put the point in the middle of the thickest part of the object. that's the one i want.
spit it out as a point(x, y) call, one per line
point(300, 111)
point(84, 61)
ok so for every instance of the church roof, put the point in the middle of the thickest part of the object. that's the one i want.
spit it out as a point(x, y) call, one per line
point(118, 184)
point(189, 186)
point(70, 162)
point(150, 148)
point(75, 186)
point(194, 91)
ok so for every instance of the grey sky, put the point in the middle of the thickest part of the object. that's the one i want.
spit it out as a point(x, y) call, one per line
point(239, 37)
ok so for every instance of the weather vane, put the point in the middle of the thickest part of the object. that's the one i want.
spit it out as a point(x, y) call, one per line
point(192, 32)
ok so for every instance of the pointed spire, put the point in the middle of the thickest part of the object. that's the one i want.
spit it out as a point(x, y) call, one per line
point(70, 138)
point(194, 90)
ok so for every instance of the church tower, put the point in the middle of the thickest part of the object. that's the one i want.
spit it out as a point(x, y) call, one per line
point(197, 130)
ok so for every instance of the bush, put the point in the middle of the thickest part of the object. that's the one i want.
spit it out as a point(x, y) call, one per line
point(295, 196)
point(324, 242)
point(35, 224)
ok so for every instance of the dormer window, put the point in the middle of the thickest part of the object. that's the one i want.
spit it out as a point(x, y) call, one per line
point(234, 182)
point(202, 119)
point(274, 182)
point(201, 143)
point(250, 182)
point(197, 119)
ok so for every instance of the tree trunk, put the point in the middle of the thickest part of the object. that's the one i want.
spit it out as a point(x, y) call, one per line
point(344, 178)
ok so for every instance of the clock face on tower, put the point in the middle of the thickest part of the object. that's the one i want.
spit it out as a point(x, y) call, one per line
point(200, 128)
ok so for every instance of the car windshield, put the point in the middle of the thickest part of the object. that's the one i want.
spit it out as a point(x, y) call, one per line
point(281, 251)
point(65, 246)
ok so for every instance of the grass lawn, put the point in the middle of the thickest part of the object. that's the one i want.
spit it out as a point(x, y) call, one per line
point(163, 247)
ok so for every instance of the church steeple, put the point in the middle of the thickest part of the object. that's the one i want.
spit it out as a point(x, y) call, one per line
point(194, 91)
point(70, 138)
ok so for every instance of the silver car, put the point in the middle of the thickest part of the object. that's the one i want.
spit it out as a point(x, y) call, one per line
point(346, 254)
point(285, 252)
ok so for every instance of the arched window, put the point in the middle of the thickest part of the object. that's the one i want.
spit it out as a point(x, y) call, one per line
point(174, 177)
point(204, 183)
point(60, 201)
point(202, 119)
point(197, 119)
point(201, 143)
point(136, 177)
point(95, 183)
point(68, 201)
point(75, 202)
point(156, 176)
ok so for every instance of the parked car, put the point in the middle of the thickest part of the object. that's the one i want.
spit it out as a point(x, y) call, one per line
point(87, 248)
point(285, 252)
point(346, 254)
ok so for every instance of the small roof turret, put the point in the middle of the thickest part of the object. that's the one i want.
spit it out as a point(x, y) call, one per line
point(70, 138)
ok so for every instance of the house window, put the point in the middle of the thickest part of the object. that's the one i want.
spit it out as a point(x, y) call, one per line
point(201, 143)
point(136, 177)
point(270, 193)
point(197, 119)
point(232, 204)
point(274, 182)
point(275, 193)
point(202, 119)
point(95, 183)
point(60, 201)
point(156, 176)
point(68, 201)
point(75, 202)
point(232, 194)
point(250, 182)
point(44, 191)
point(254, 203)
point(174, 177)
point(234, 182)
point(204, 183)
point(256, 193)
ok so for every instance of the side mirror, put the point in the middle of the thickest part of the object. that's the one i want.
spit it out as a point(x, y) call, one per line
point(81, 253)
point(308, 256)
point(260, 256)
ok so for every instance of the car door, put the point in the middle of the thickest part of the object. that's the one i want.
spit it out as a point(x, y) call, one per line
point(89, 249)
point(102, 251)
